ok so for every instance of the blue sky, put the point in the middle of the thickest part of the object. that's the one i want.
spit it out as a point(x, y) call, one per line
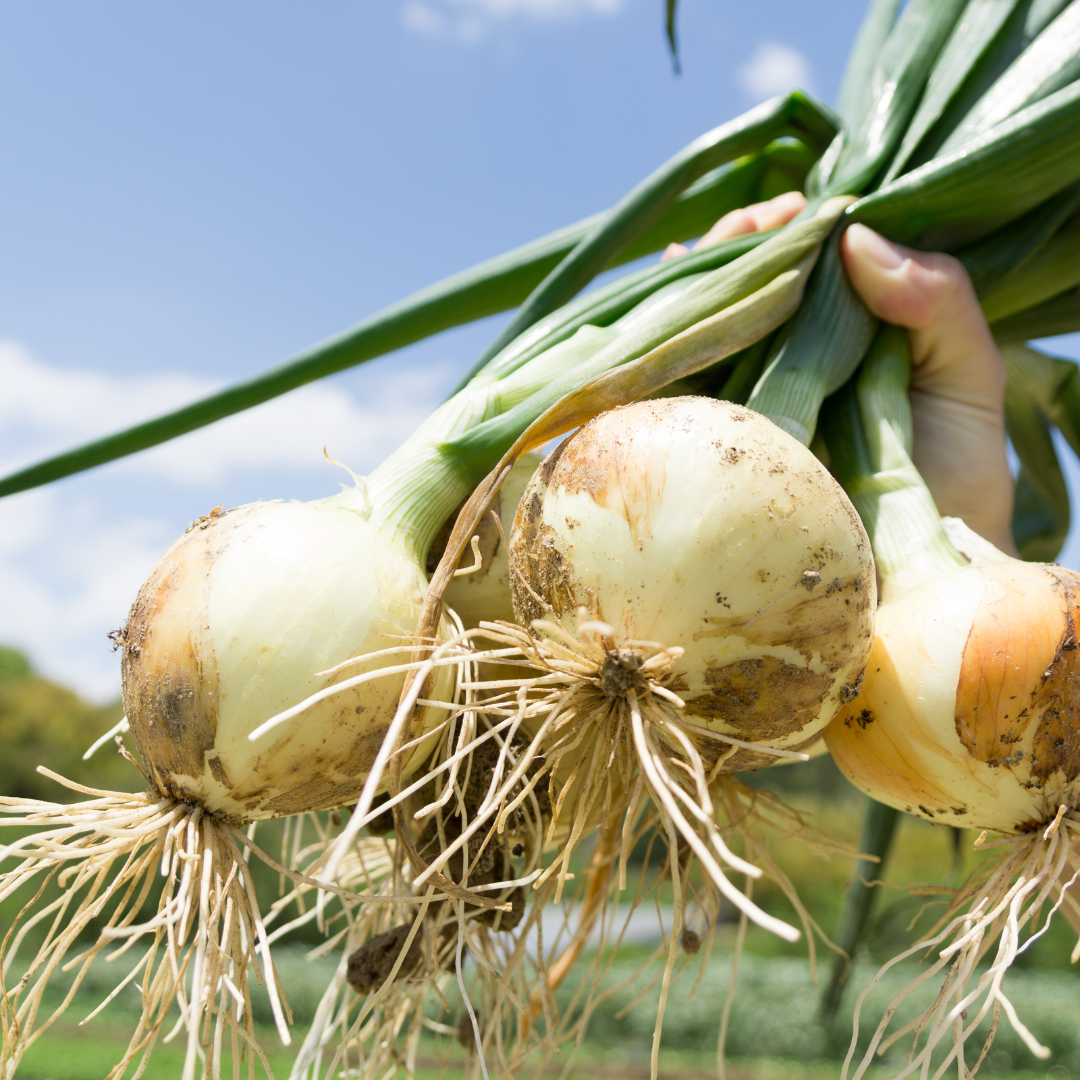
point(194, 192)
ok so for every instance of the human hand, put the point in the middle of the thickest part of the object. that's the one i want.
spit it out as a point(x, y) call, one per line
point(750, 219)
point(958, 376)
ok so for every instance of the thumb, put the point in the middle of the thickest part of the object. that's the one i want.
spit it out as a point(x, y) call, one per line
point(952, 349)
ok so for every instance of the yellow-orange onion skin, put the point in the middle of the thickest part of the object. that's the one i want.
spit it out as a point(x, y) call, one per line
point(968, 714)
point(232, 627)
point(697, 523)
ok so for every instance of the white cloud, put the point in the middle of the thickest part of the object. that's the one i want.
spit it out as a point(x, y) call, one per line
point(67, 576)
point(471, 20)
point(774, 69)
point(72, 558)
point(46, 409)
point(423, 19)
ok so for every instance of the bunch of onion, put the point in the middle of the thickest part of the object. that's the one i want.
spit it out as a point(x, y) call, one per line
point(257, 609)
point(674, 332)
point(967, 715)
point(708, 596)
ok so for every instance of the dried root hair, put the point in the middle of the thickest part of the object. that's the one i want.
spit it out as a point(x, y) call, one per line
point(1001, 902)
point(204, 947)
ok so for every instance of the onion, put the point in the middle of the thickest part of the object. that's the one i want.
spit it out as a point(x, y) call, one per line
point(484, 594)
point(700, 595)
point(695, 523)
point(968, 714)
point(249, 613)
point(231, 628)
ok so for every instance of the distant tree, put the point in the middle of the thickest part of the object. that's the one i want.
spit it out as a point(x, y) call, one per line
point(44, 724)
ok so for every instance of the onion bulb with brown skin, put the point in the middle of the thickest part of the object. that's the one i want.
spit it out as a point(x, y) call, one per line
point(241, 619)
point(252, 612)
point(248, 614)
point(969, 714)
point(698, 595)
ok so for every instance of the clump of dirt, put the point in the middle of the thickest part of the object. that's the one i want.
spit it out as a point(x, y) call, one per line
point(372, 963)
point(690, 941)
point(488, 857)
point(467, 1033)
point(382, 824)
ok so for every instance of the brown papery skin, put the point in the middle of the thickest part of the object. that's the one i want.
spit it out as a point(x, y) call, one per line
point(970, 711)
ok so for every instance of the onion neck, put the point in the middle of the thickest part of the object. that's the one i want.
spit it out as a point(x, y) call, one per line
point(425, 480)
point(421, 484)
point(869, 439)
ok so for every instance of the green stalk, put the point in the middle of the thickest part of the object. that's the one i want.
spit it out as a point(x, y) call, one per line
point(971, 39)
point(1052, 383)
point(878, 832)
point(794, 115)
point(1041, 276)
point(483, 290)
point(828, 337)
point(1028, 19)
point(1049, 63)
point(958, 199)
point(868, 431)
point(1041, 391)
point(1061, 315)
point(896, 84)
point(1006, 250)
point(746, 369)
point(856, 90)
point(604, 305)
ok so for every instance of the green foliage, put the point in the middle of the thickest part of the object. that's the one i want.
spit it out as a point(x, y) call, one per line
point(44, 724)
point(13, 664)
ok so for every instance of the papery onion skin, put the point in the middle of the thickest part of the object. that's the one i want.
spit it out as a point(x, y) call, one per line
point(969, 714)
point(485, 594)
point(231, 628)
point(697, 523)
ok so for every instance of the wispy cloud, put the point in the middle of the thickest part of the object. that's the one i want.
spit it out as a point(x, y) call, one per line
point(68, 574)
point(45, 409)
point(72, 558)
point(472, 20)
point(774, 68)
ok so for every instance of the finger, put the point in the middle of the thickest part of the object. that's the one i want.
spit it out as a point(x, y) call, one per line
point(952, 350)
point(957, 380)
point(756, 218)
point(673, 251)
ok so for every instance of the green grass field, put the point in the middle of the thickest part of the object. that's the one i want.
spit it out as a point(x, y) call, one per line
point(775, 1030)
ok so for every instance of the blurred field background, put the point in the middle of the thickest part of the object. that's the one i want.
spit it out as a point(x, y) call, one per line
point(776, 1030)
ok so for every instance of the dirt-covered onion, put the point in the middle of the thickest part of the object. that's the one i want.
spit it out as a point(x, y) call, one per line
point(699, 525)
point(234, 626)
point(969, 714)
point(698, 595)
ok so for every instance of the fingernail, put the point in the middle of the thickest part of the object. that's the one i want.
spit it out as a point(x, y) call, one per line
point(885, 253)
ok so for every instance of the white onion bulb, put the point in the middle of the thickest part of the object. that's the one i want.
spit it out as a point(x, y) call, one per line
point(233, 626)
point(698, 524)
point(970, 711)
